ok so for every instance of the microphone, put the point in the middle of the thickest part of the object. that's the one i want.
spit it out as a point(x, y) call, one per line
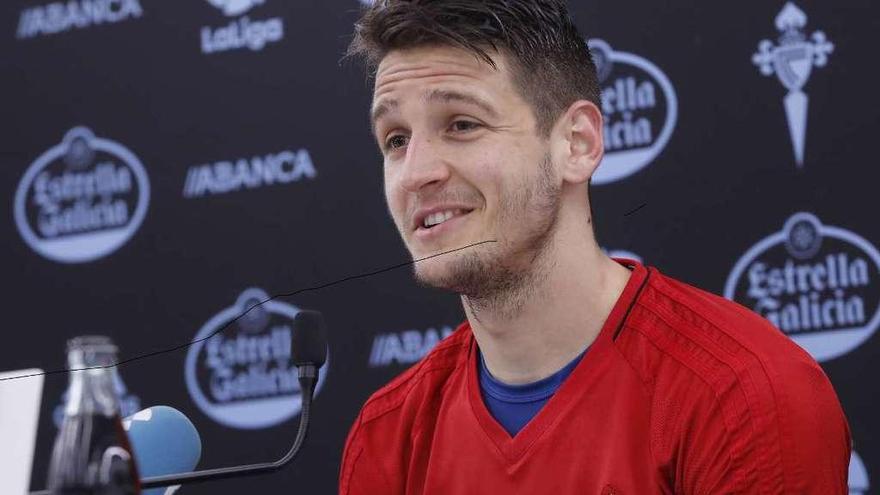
point(309, 354)
point(164, 441)
point(309, 340)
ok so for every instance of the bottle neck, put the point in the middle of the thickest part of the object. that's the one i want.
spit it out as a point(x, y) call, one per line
point(92, 387)
point(92, 392)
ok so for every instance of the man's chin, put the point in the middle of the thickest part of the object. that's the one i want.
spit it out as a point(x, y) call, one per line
point(455, 272)
point(432, 273)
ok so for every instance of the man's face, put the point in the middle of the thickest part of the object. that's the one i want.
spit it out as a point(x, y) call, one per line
point(460, 148)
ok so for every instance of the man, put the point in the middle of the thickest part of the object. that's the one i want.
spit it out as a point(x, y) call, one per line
point(574, 372)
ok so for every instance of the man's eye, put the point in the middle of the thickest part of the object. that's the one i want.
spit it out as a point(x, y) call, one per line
point(395, 141)
point(463, 125)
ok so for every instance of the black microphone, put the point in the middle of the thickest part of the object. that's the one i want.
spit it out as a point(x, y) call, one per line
point(309, 354)
point(309, 343)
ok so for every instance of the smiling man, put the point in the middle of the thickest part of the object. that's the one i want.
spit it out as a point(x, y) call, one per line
point(574, 372)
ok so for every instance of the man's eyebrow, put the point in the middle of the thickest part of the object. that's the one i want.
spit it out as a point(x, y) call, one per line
point(389, 105)
point(447, 96)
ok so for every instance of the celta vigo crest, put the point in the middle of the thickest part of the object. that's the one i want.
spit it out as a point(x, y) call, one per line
point(792, 60)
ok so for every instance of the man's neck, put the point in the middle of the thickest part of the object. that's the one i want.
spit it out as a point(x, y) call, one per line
point(533, 332)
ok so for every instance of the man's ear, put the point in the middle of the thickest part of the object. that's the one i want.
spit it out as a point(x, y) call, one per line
point(581, 145)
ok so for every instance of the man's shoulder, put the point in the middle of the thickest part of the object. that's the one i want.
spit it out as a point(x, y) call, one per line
point(427, 377)
point(690, 322)
point(733, 385)
point(680, 339)
point(691, 347)
point(392, 416)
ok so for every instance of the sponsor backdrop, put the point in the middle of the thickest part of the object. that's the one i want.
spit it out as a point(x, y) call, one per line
point(167, 165)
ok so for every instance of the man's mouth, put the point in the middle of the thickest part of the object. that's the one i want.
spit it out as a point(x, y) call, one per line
point(439, 221)
point(440, 217)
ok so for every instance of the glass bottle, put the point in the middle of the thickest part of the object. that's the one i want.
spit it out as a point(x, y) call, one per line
point(92, 454)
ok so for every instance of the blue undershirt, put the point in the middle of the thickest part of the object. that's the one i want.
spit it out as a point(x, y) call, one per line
point(513, 406)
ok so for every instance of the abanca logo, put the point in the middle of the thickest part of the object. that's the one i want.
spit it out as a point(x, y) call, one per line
point(82, 199)
point(407, 347)
point(224, 177)
point(244, 377)
point(640, 109)
point(60, 17)
point(816, 283)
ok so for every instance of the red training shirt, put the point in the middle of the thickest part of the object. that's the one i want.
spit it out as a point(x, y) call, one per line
point(682, 392)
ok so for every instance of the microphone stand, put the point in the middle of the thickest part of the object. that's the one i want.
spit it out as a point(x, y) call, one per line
point(308, 377)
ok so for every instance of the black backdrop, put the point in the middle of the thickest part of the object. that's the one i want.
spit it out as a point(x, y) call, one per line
point(261, 174)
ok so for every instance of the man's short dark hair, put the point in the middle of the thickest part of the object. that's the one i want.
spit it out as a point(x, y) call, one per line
point(551, 64)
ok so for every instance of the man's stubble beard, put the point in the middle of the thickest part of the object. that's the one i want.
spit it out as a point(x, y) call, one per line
point(499, 277)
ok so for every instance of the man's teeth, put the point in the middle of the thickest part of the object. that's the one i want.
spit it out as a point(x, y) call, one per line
point(440, 217)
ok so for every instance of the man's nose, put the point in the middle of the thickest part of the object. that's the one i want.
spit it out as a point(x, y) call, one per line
point(424, 165)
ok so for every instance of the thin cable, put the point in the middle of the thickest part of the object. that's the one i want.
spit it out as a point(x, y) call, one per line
point(215, 332)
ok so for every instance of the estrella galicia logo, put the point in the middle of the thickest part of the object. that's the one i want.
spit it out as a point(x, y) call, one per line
point(243, 376)
point(858, 475)
point(792, 60)
point(242, 32)
point(82, 199)
point(640, 108)
point(622, 253)
point(816, 283)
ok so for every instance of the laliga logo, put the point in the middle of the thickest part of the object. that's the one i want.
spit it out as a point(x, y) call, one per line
point(792, 60)
point(243, 376)
point(640, 109)
point(82, 199)
point(235, 7)
point(242, 32)
point(816, 283)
